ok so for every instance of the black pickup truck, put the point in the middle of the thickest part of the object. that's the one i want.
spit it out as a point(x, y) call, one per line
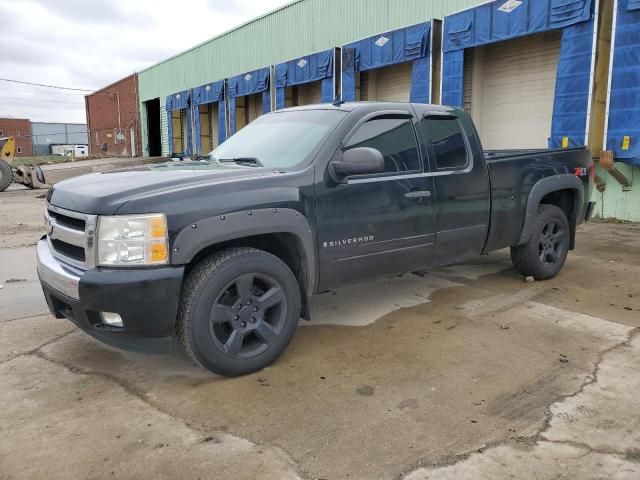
point(223, 253)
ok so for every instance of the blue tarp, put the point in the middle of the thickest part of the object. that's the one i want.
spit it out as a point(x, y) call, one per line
point(624, 106)
point(633, 5)
point(573, 82)
point(179, 101)
point(307, 69)
point(487, 23)
point(410, 44)
point(209, 93)
point(493, 22)
point(248, 84)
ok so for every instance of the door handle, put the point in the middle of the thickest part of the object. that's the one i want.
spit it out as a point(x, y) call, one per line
point(418, 194)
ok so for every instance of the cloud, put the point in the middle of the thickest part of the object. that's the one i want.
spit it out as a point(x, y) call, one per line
point(83, 11)
point(90, 44)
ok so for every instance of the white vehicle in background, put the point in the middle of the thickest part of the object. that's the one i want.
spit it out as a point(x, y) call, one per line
point(70, 150)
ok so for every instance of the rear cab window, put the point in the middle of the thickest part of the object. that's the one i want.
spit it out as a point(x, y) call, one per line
point(447, 140)
point(394, 136)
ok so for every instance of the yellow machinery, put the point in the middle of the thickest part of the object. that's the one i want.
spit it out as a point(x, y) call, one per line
point(35, 176)
point(22, 174)
point(8, 146)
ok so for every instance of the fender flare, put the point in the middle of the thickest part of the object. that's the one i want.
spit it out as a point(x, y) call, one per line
point(234, 226)
point(544, 187)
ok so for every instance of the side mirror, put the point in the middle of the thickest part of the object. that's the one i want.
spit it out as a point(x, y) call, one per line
point(358, 161)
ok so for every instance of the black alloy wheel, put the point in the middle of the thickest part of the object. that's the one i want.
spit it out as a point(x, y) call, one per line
point(239, 309)
point(544, 254)
point(551, 241)
point(248, 315)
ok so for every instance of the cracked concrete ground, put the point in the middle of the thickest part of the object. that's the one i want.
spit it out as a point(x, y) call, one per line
point(468, 372)
point(594, 433)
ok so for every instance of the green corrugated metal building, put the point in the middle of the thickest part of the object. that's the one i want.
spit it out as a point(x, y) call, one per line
point(304, 27)
point(299, 28)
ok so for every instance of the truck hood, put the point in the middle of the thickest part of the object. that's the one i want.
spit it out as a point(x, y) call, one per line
point(103, 193)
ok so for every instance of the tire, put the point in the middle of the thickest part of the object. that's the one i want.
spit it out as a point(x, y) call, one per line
point(5, 175)
point(238, 311)
point(543, 256)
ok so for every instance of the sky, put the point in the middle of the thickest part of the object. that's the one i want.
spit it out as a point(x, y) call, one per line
point(88, 44)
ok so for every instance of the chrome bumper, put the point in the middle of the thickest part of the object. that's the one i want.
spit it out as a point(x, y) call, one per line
point(61, 277)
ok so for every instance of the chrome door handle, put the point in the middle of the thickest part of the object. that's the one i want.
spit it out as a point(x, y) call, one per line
point(418, 194)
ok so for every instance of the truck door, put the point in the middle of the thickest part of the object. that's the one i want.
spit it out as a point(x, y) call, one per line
point(461, 186)
point(372, 225)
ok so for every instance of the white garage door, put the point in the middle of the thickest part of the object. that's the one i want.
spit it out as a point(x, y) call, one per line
point(215, 125)
point(513, 86)
point(388, 84)
point(254, 106)
point(208, 127)
point(309, 93)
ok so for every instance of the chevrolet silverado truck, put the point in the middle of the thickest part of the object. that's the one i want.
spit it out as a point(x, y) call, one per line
point(222, 254)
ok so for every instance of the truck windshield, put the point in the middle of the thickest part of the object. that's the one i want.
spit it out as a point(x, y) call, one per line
point(279, 140)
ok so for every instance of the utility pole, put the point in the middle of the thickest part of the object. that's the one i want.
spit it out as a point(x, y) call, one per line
point(119, 121)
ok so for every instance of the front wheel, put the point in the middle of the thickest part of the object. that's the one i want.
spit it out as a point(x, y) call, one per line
point(543, 256)
point(239, 309)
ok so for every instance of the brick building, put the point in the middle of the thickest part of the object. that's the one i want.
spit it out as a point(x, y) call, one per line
point(113, 119)
point(19, 128)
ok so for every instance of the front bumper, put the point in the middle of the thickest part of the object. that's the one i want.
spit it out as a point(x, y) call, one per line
point(146, 299)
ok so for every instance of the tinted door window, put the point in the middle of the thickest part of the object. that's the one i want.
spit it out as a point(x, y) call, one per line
point(447, 138)
point(395, 138)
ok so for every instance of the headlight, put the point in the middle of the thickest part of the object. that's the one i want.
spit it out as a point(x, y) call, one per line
point(133, 240)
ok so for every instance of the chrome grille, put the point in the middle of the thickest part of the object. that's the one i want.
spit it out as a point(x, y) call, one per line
point(67, 221)
point(70, 236)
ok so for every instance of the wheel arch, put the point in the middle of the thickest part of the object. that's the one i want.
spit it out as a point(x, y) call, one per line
point(565, 191)
point(285, 233)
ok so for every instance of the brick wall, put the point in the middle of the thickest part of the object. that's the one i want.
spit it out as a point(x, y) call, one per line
point(20, 129)
point(102, 119)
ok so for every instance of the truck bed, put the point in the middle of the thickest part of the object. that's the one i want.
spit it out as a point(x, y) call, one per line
point(512, 153)
point(512, 174)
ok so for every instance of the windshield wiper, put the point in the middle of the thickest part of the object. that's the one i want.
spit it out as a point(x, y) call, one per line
point(252, 161)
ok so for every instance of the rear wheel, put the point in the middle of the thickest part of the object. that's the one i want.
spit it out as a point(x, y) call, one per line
point(5, 175)
point(238, 311)
point(543, 256)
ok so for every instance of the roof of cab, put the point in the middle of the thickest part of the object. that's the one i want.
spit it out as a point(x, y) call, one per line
point(351, 106)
